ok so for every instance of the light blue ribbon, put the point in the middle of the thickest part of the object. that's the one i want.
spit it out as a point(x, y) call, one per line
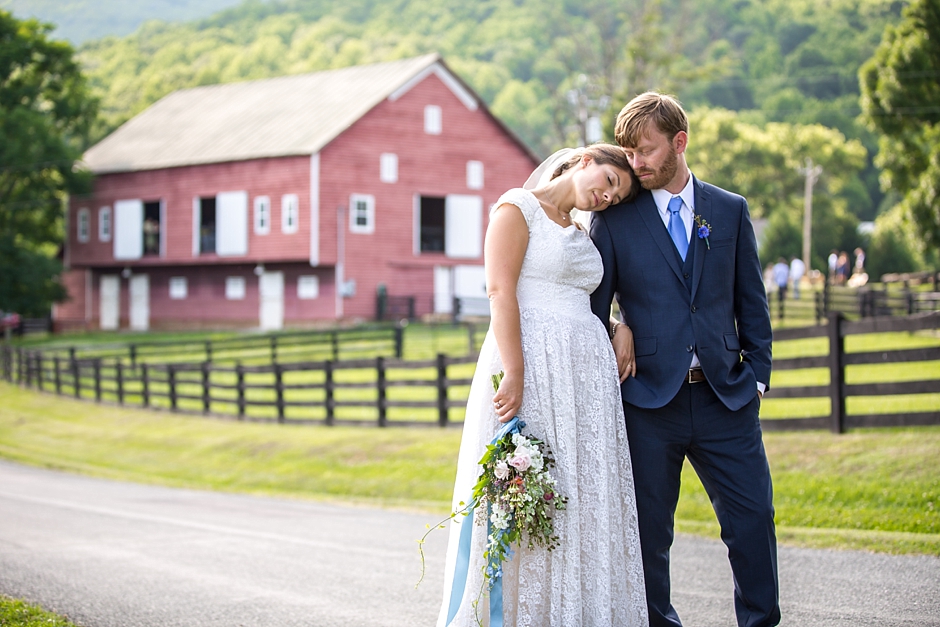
point(462, 565)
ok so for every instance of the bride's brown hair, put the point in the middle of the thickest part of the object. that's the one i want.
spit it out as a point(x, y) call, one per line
point(603, 154)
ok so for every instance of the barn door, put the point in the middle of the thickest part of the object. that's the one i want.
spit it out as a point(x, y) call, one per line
point(443, 289)
point(109, 314)
point(140, 302)
point(271, 290)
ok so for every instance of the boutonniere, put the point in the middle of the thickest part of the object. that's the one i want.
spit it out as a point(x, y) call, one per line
point(703, 230)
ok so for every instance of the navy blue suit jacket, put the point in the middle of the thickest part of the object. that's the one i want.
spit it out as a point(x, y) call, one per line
point(723, 317)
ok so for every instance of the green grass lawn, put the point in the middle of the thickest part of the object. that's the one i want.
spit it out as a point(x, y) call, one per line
point(870, 489)
point(15, 613)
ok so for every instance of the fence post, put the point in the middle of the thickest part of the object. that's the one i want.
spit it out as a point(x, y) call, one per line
point(328, 393)
point(171, 381)
point(381, 390)
point(119, 379)
point(205, 382)
point(442, 389)
point(334, 341)
point(4, 370)
point(28, 359)
point(208, 350)
point(279, 390)
point(399, 341)
point(273, 348)
point(97, 371)
point(57, 374)
point(39, 378)
point(836, 372)
point(145, 385)
point(19, 366)
point(240, 389)
point(133, 354)
point(76, 376)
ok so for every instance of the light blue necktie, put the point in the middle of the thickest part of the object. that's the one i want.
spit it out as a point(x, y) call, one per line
point(677, 228)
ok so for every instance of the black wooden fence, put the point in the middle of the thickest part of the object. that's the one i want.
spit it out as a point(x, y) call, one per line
point(388, 391)
point(895, 298)
point(383, 391)
point(836, 361)
point(334, 344)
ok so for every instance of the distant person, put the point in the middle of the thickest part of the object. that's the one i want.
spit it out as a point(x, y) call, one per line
point(833, 263)
point(859, 261)
point(797, 270)
point(842, 268)
point(781, 277)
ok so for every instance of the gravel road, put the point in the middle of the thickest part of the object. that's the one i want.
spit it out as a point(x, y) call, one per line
point(116, 554)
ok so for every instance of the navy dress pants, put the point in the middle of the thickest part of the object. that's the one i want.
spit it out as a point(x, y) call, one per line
point(726, 450)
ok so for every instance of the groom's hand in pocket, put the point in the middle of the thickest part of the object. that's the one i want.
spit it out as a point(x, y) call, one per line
point(623, 349)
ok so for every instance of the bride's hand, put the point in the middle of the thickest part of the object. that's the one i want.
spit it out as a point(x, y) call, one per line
point(623, 349)
point(508, 398)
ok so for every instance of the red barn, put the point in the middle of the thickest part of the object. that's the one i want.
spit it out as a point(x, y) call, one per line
point(290, 200)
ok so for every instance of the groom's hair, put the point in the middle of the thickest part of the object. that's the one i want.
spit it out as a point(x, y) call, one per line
point(662, 110)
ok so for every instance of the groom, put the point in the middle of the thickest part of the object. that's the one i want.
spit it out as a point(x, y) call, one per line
point(681, 260)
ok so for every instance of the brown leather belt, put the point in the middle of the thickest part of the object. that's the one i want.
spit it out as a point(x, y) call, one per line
point(696, 375)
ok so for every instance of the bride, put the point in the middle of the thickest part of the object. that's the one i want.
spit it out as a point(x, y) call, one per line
point(561, 378)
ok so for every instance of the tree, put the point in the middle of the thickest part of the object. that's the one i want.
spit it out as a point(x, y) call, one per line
point(45, 117)
point(763, 165)
point(900, 92)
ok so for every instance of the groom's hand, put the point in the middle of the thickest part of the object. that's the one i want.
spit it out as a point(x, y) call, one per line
point(623, 349)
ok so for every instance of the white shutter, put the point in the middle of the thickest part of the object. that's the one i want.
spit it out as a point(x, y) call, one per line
point(463, 226)
point(231, 224)
point(128, 229)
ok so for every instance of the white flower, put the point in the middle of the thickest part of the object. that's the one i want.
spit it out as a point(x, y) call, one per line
point(537, 461)
point(519, 440)
point(501, 470)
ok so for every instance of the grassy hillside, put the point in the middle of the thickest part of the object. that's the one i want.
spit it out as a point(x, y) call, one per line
point(869, 489)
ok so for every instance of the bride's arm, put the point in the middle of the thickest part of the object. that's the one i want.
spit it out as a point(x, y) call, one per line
point(507, 237)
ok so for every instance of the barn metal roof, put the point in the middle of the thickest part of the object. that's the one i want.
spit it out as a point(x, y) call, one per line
point(289, 115)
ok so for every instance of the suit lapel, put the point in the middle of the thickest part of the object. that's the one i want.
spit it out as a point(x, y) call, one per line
point(703, 207)
point(654, 223)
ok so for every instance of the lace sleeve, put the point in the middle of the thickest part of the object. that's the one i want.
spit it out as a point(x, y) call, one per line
point(521, 198)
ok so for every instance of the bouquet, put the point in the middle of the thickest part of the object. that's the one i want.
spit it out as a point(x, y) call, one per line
point(515, 495)
point(518, 491)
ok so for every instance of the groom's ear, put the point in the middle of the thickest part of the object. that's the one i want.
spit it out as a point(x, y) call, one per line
point(680, 142)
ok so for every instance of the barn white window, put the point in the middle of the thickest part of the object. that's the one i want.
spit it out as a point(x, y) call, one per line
point(290, 213)
point(362, 213)
point(452, 225)
point(104, 224)
point(432, 120)
point(235, 287)
point(388, 170)
point(179, 288)
point(262, 215)
point(475, 174)
point(84, 225)
point(308, 287)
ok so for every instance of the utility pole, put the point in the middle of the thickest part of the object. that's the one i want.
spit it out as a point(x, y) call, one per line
point(811, 172)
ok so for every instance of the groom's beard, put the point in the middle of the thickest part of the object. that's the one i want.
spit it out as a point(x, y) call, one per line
point(663, 175)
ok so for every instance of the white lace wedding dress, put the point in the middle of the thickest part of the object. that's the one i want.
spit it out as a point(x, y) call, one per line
point(571, 400)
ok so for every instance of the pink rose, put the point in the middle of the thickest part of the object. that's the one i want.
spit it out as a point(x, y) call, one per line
point(521, 461)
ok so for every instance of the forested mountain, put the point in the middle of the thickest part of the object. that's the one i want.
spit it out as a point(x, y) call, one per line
point(770, 82)
point(82, 20)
